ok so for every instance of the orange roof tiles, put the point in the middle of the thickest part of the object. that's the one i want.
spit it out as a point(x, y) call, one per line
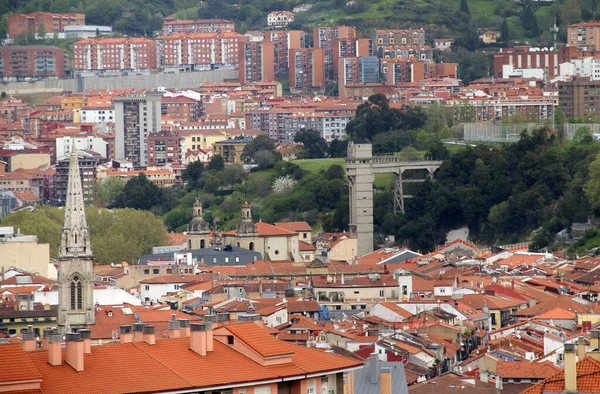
point(588, 379)
point(525, 370)
point(259, 340)
point(15, 365)
point(294, 226)
point(557, 313)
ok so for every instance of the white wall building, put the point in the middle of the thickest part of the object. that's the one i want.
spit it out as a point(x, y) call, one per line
point(97, 115)
point(64, 145)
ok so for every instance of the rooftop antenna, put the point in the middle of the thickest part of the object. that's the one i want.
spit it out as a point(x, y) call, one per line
point(554, 30)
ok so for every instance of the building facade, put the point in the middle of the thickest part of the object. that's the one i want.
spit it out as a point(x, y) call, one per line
point(579, 97)
point(99, 55)
point(87, 170)
point(164, 147)
point(324, 37)
point(307, 69)
point(198, 26)
point(584, 35)
point(37, 22)
point(283, 41)
point(21, 63)
point(257, 62)
point(136, 117)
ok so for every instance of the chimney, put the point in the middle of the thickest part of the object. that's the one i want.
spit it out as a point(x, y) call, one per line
point(174, 329)
point(86, 335)
point(125, 334)
point(74, 353)
point(209, 338)
point(580, 349)
point(54, 349)
point(570, 368)
point(138, 332)
point(198, 340)
point(45, 335)
point(595, 341)
point(149, 336)
point(385, 386)
point(373, 369)
point(28, 342)
point(184, 326)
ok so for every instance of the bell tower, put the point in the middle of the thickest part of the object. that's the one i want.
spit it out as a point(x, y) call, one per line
point(75, 273)
point(198, 233)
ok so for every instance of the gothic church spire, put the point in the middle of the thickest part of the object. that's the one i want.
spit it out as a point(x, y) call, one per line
point(75, 239)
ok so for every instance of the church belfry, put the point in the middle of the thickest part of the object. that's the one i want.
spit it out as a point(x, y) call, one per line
point(75, 273)
point(198, 233)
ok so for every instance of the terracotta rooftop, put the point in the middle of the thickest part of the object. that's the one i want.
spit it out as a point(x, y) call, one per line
point(588, 379)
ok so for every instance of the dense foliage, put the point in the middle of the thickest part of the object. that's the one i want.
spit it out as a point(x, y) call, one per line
point(117, 235)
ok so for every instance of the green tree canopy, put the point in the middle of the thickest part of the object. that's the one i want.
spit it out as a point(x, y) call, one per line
point(314, 145)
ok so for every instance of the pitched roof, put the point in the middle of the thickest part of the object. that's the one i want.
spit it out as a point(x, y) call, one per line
point(557, 313)
point(395, 308)
point(15, 365)
point(257, 338)
point(265, 229)
point(588, 379)
point(294, 226)
point(525, 370)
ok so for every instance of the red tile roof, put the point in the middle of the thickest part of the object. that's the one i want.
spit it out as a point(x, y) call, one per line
point(15, 365)
point(294, 226)
point(258, 339)
point(588, 379)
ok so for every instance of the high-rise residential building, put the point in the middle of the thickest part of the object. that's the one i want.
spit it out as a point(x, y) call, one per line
point(357, 70)
point(324, 37)
point(38, 22)
point(114, 55)
point(33, 61)
point(579, 97)
point(198, 26)
point(584, 35)
point(399, 70)
point(136, 117)
point(87, 170)
point(192, 51)
point(185, 109)
point(350, 47)
point(306, 69)
point(164, 147)
point(283, 41)
point(389, 37)
point(257, 62)
point(369, 69)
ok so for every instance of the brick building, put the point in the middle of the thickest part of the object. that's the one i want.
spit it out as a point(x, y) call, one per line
point(163, 148)
point(579, 97)
point(114, 54)
point(183, 108)
point(32, 61)
point(307, 69)
point(283, 41)
point(257, 62)
point(399, 70)
point(584, 35)
point(37, 22)
point(198, 26)
point(398, 37)
point(354, 70)
point(324, 37)
point(199, 50)
point(349, 47)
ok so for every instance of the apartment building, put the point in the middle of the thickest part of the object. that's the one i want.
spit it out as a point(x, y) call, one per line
point(579, 97)
point(81, 141)
point(307, 69)
point(185, 109)
point(87, 170)
point(97, 55)
point(355, 70)
point(136, 117)
point(198, 51)
point(283, 41)
point(350, 47)
point(584, 35)
point(198, 26)
point(331, 126)
point(257, 62)
point(324, 37)
point(387, 37)
point(37, 22)
point(533, 108)
point(280, 18)
point(418, 52)
point(164, 147)
point(20, 63)
point(399, 70)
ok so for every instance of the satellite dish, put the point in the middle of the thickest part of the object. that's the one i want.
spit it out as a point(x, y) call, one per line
point(494, 279)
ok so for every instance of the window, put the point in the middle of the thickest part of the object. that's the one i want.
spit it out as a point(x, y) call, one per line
point(76, 293)
point(155, 271)
point(147, 287)
point(381, 293)
point(230, 339)
point(146, 271)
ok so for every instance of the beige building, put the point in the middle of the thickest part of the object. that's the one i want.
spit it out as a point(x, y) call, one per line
point(26, 160)
point(337, 246)
point(584, 35)
point(355, 292)
point(274, 243)
point(25, 253)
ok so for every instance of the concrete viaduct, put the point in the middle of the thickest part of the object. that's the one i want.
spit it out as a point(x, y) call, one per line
point(361, 167)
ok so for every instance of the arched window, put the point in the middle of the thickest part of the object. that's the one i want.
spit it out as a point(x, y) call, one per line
point(202, 243)
point(76, 293)
point(251, 246)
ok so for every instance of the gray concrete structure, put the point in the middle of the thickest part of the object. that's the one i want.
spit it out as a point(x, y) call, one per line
point(147, 81)
point(361, 167)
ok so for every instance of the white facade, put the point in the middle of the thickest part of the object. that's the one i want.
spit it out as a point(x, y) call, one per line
point(280, 18)
point(384, 313)
point(64, 145)
point(583, 67)
point(508, 71)
point(97, 115)
point(277, 318)
point(152, 292)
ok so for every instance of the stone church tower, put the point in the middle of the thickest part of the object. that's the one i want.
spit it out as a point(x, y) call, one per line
point(75, 274)
point(246, 233)
point(198, 233)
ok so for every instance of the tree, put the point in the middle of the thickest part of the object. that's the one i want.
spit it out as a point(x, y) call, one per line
point(336, 171)
point(464, 7)
point(338, 148)
point(216, 163)
point(314, 144)
point(109, 189)
point(529, 21)
point(138, 193)
point(261, 142)
point(592, 187)
point(504, 31)
point(191, 175)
